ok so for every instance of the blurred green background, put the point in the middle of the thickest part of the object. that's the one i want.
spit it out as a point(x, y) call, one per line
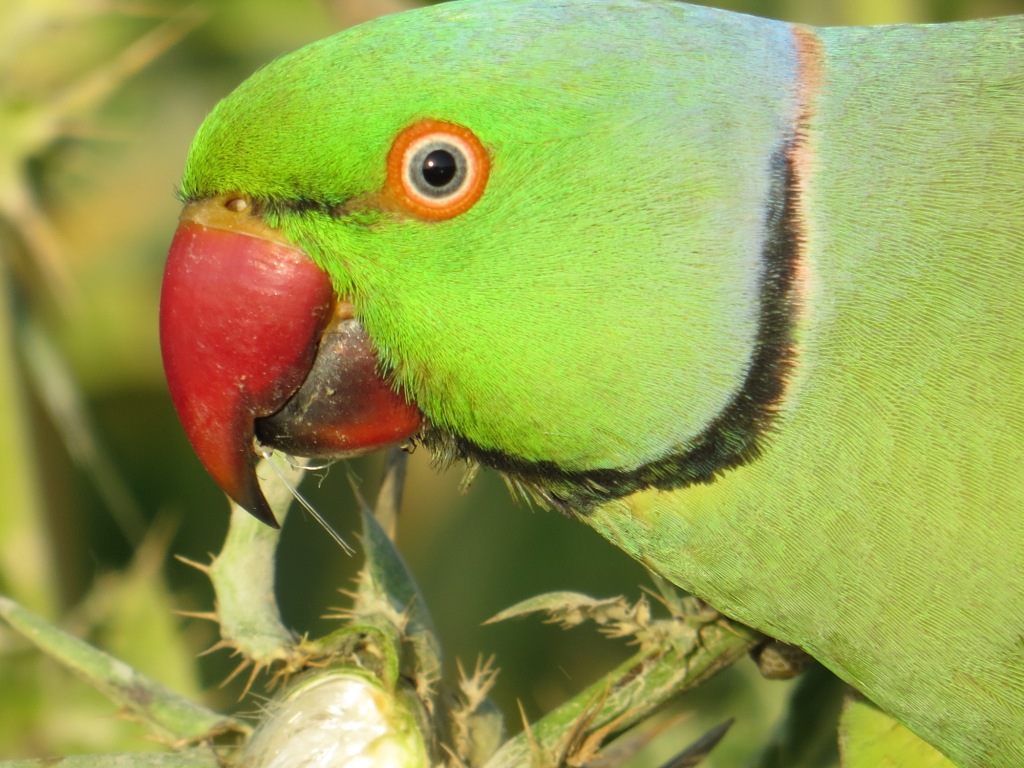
point(98, 487)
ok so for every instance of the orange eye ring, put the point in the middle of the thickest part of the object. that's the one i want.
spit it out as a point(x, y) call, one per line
point(436, 170)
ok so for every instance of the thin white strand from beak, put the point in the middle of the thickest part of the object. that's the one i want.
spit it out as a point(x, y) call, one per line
point(345, 546)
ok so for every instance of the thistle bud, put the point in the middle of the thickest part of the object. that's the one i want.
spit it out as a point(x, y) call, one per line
point(338, 718)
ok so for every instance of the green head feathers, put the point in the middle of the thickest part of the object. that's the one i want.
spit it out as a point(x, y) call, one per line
point(597, 253)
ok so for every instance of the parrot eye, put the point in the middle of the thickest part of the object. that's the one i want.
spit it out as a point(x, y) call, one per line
point(441, 168)
point(436, 170)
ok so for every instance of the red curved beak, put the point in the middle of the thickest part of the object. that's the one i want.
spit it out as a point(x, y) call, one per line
point(242, 317)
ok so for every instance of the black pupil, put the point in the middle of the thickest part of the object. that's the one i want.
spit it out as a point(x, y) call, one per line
point(439, 168)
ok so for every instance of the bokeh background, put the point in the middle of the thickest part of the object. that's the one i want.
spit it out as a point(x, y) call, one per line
point(98, 487)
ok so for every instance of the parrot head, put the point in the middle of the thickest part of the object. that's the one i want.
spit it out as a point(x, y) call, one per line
point(471, 225)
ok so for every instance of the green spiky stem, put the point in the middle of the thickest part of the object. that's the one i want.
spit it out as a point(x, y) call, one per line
point(243, 575)
point(631, 692)
point(174, 715)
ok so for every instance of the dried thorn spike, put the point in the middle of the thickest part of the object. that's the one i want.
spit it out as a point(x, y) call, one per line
point(204, 615)
point(201, 567)
point(242, 666)
point(253, 674)
point(477, 686)
point(534, 744)
point(220, 645)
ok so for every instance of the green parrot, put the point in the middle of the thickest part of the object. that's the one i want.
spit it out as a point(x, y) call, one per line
point(745, 296)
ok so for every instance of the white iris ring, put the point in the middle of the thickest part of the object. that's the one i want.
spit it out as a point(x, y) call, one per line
point(415, 158)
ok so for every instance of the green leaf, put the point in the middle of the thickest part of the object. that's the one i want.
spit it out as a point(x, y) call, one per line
point(173, 714)
point(190, 758)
